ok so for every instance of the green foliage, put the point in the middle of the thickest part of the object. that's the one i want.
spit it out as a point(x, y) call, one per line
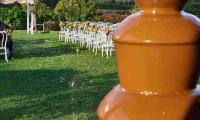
point(193, 6)
point(135, 9)
point(43, 12)
point(50, 3)
point(75, 10)
point(85, 8)
point(65, 10)
point(14, 16)
point(113, 5)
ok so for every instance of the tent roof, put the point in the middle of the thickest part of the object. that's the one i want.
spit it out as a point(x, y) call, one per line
point(13, 1)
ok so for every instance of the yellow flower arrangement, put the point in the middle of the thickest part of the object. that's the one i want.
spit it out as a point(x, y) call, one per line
point(74, 25)
point(70, 25)
point(81, 26)
point(89, 28)
point(61, 24)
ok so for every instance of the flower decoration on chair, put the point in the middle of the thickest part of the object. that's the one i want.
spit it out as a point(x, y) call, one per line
point(89, 28)
point(61, 24)
point(85, 26)
point(107, 31)
point(70, 25)
point(81, 26)
point(9, 32)
point(95, 29)
point(74, 25)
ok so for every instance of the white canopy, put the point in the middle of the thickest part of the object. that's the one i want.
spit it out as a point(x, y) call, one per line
point(19, 1)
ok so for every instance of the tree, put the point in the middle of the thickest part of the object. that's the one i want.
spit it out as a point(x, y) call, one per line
point(85, 8)
point(75, 10)
point(43, 12)
point(50, 3)
point(14, 16)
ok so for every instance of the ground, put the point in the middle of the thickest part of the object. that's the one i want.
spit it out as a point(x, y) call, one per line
point(50, 80)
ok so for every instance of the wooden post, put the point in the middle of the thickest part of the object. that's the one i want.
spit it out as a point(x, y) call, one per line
point(158, 59)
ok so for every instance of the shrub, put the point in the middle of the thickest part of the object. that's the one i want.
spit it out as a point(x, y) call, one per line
point(112, 17)
point(52, 25)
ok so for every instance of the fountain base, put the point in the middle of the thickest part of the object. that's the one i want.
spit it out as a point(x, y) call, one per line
point(120, 104)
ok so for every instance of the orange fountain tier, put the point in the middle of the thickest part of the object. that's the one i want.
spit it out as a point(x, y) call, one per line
point(158, 54)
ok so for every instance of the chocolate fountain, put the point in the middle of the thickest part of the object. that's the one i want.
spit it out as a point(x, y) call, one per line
point(158, 56)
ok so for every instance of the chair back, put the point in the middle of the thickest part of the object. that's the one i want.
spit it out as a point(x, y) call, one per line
point(3, 39)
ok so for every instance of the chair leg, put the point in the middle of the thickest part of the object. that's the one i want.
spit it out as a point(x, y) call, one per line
point(93, 49)
point(110, 51)
point(96, 50)
point(102, 51)
point(66, 40)
point(107, 53)
point(59, 38)
point(6, 55)
point(89, 47)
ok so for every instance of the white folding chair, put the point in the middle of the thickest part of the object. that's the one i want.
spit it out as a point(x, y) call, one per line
point(62, 33)
point(97, 41)
point(3, 45)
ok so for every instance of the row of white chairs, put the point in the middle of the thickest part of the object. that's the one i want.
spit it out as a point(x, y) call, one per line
point(98, 41)
point(3, 45)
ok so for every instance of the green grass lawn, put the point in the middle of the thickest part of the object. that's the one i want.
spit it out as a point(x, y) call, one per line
point(50, 80)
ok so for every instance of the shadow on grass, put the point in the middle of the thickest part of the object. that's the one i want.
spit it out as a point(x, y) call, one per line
point(38, 48)
point(50, 94)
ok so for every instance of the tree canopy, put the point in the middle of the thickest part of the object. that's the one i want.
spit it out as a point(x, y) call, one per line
point(72, 10)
